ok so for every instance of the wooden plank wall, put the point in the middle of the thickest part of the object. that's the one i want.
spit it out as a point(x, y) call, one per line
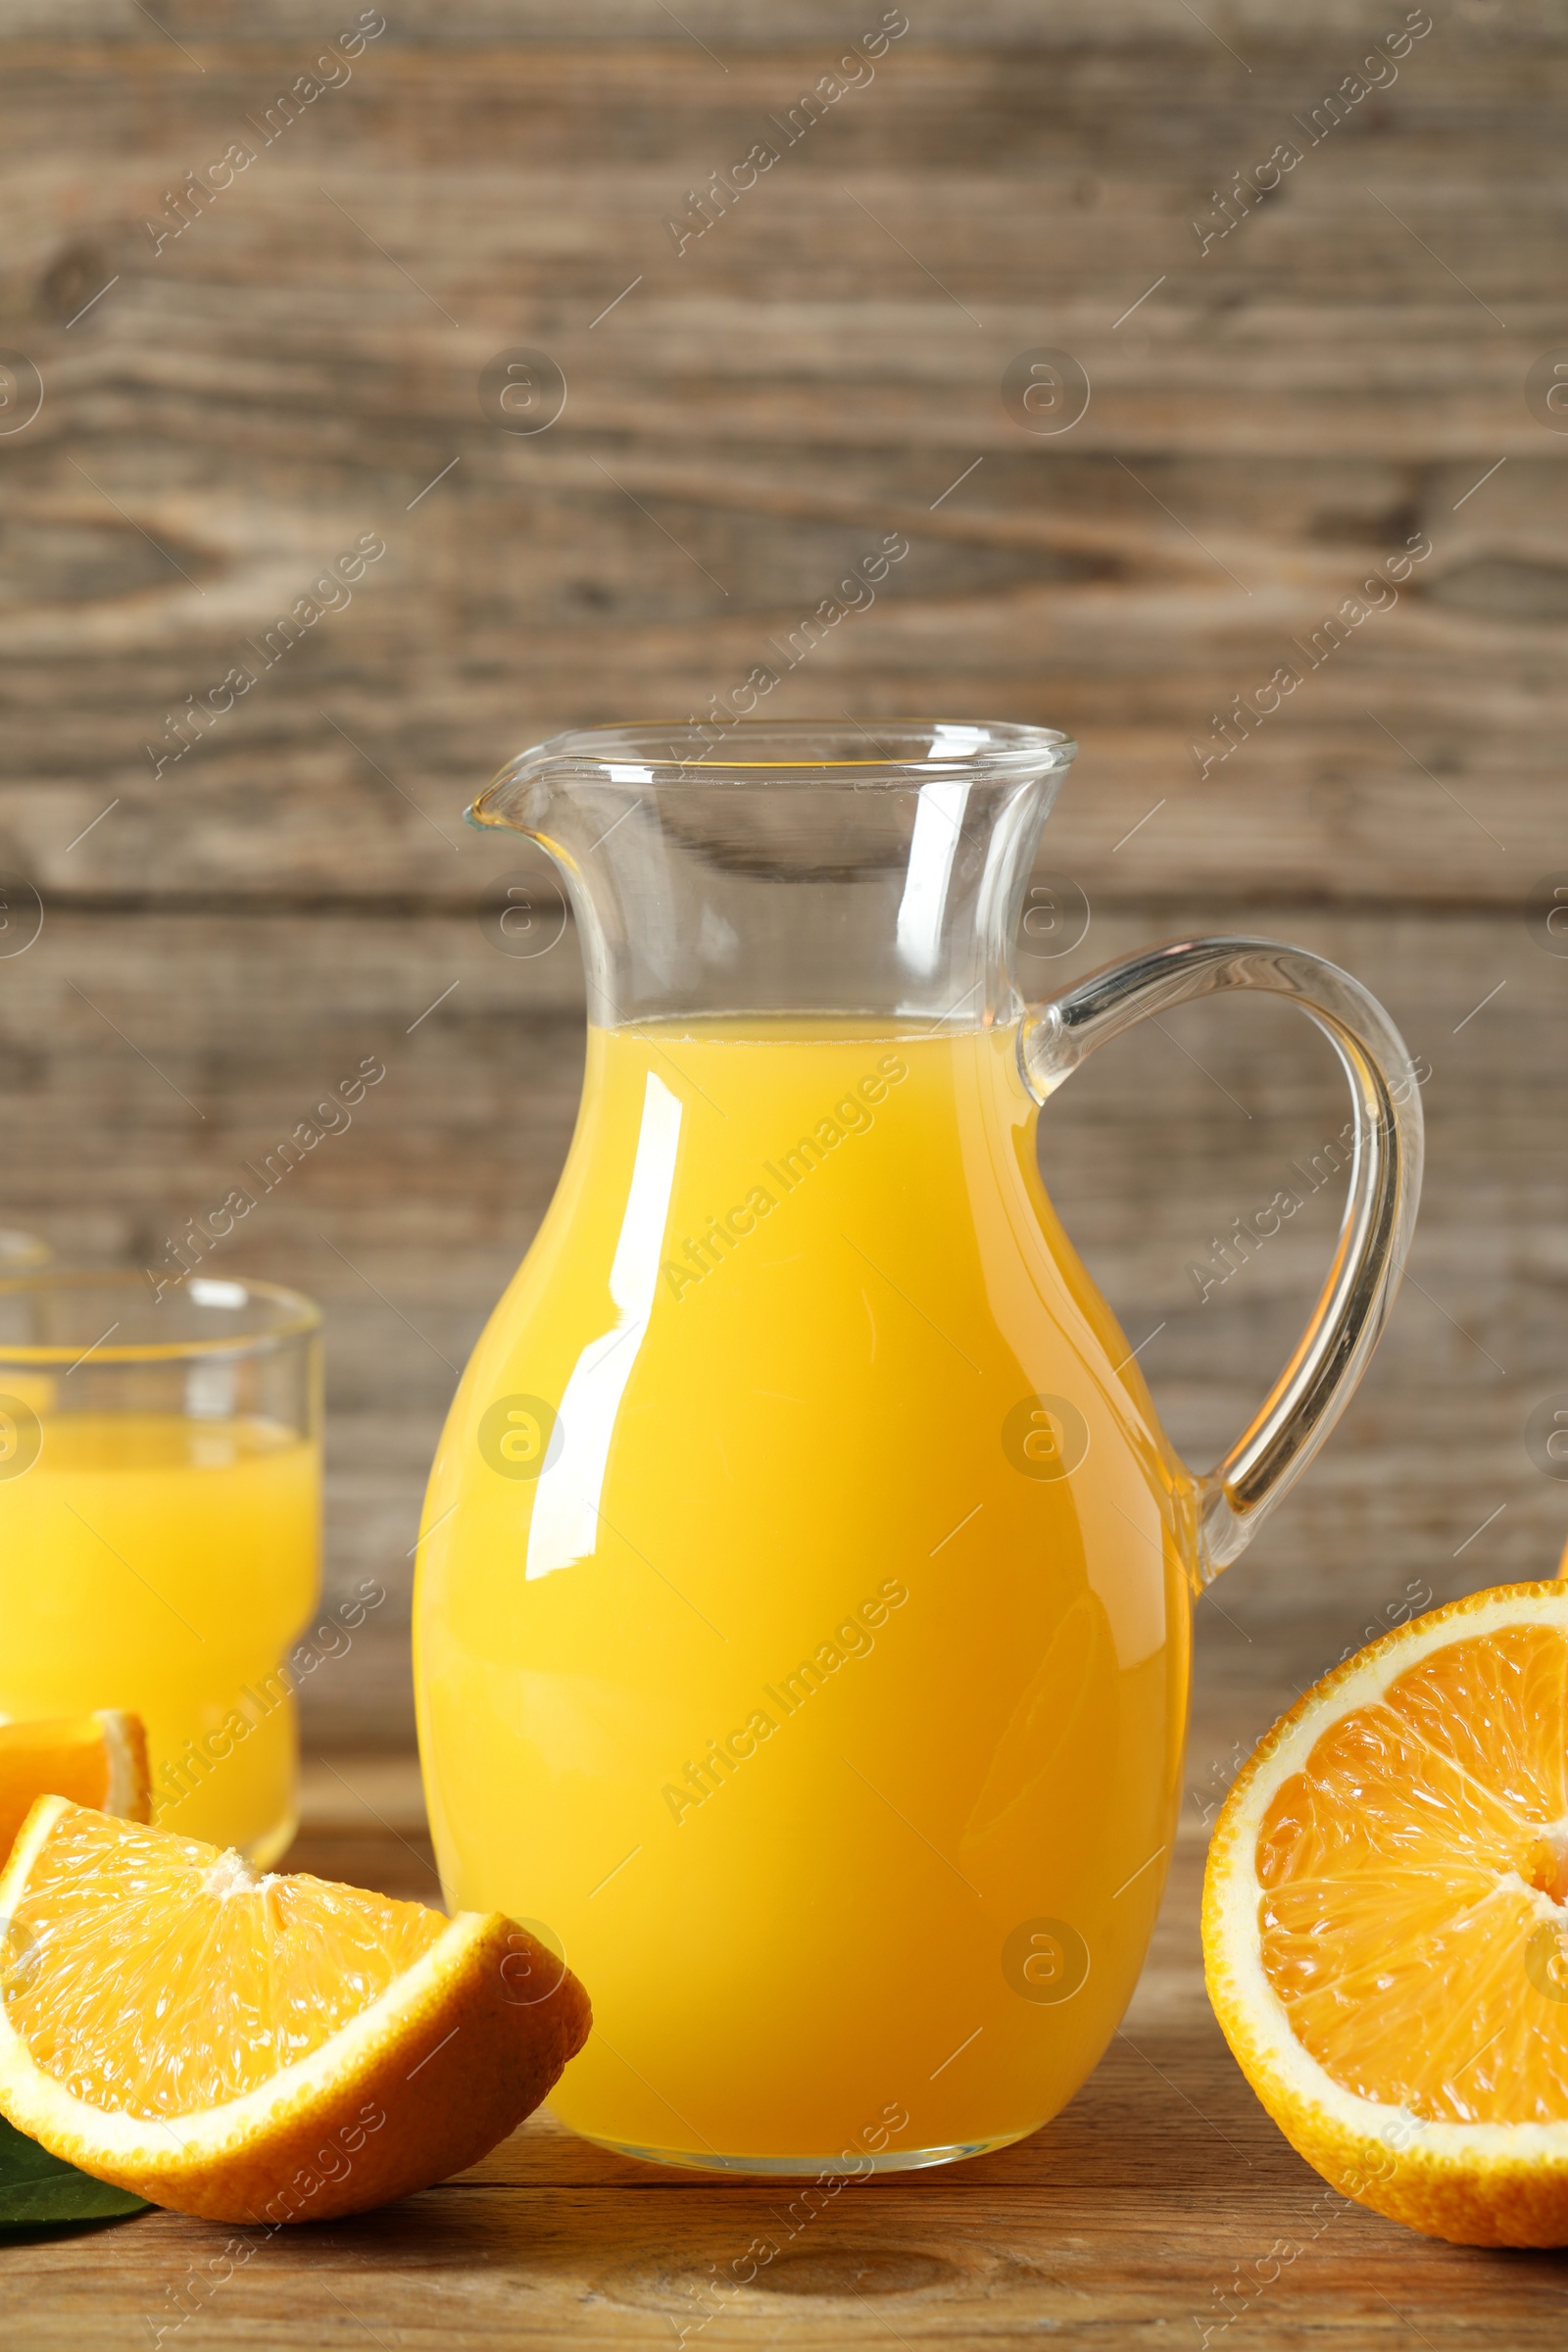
point(1274, 413)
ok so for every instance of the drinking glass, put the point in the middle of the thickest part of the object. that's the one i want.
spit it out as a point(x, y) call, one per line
point(160, 1528)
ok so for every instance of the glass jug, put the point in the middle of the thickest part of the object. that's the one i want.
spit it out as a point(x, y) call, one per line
point(802, 1621)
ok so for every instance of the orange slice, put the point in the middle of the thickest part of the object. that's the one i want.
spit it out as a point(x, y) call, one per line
point(93, 1759)
point(1386, 1922)
point(258, 2049)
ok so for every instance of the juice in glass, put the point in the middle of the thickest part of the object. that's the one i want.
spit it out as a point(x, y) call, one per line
point(160, 1532)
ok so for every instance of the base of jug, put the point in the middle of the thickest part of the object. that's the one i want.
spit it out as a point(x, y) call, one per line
point(799, 2167)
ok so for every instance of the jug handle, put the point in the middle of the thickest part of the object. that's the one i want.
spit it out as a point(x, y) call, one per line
point(1317, 1385)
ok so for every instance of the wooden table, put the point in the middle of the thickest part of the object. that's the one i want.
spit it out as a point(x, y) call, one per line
point(1161, 2205)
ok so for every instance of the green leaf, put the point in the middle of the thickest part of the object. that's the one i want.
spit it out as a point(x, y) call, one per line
point(36, 2186)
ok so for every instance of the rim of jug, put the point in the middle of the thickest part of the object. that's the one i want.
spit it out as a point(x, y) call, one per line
point(892, 754)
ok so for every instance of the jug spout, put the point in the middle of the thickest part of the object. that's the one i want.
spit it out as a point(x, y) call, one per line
point(792, 866)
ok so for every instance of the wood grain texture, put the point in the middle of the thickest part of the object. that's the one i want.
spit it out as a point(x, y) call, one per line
point(300, 362)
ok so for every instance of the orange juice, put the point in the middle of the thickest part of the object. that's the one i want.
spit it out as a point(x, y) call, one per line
point(163, 1564)
point(789, 1647)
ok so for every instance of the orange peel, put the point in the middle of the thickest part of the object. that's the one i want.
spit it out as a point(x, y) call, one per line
point(1386, 1922)
point(272, 2048)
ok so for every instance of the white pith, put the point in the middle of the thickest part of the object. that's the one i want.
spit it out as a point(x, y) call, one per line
point(170, 2146)
point(1235, 1894)
point(231, 1873)
point(125, 1788)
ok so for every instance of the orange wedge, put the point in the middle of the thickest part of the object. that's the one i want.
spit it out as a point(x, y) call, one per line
point(258, 2049)
point(1386, 1922)
point(93, 1759)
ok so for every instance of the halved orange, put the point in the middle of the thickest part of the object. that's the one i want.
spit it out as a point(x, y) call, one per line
point(1386, 1922)
point(258, 2048)
point(98, 1760)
